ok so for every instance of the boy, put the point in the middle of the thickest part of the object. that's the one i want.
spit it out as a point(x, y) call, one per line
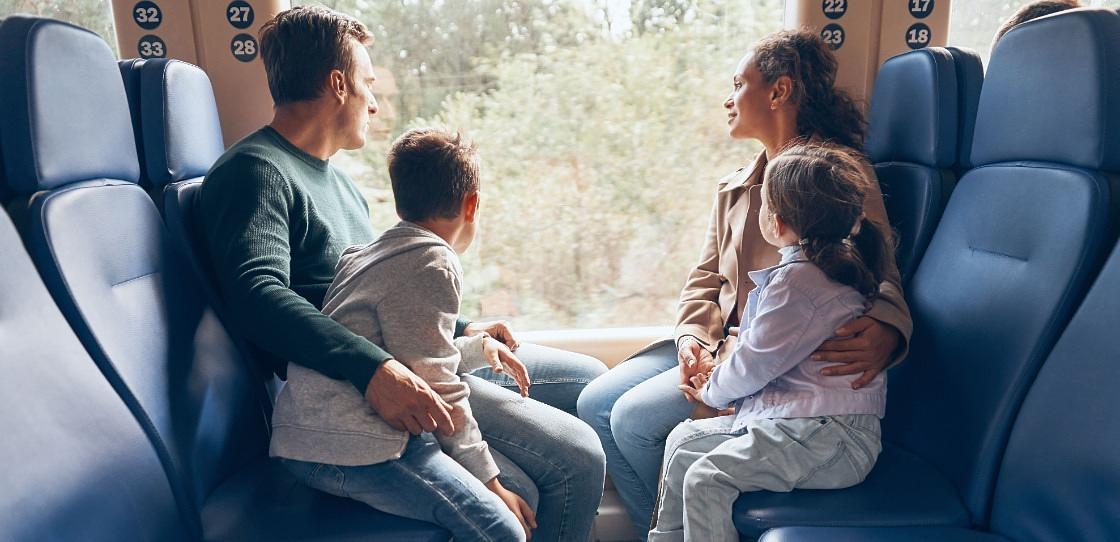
point(402, 292)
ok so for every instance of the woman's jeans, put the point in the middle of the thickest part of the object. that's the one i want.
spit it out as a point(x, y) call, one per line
point(536, 445)
point(633, 408)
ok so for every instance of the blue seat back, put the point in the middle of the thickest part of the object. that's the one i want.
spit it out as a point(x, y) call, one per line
point(77, 464)
point(130, 74)
point(970, 79)
point(183, 138)
point(104, 253)
point(1016, 247)
point(1061, 470)
point(912, 143)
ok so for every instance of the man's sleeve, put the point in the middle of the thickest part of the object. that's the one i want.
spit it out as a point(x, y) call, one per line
point(246, 215)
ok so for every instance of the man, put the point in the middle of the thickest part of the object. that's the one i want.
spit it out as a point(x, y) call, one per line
point(276, 217)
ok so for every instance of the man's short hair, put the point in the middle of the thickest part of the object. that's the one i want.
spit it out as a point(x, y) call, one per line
point(300, 47)
point(1033, 11)
point(432, 171)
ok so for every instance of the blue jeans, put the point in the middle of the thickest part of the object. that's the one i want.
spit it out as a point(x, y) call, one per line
point(633, 408)
point(546, 455)
point(427, 485)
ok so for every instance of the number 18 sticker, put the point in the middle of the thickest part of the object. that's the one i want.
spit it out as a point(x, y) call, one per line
point(918, 36)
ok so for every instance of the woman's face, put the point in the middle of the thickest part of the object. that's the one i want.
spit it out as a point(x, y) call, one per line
point(748, 107)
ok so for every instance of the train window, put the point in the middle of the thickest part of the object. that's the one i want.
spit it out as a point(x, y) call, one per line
point(973, 23)
point(92, 14)
point(601, 130)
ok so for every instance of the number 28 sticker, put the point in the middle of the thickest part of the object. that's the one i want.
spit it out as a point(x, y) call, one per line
point(243, 47)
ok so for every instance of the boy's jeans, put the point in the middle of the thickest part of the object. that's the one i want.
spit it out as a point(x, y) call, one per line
point(707, 466)
point(535, 445)
point(427, 485)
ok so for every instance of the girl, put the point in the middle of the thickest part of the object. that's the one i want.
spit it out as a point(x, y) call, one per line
point(792, 427)
point(783, 90)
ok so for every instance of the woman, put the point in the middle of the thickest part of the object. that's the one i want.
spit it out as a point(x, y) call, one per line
point(783, 91)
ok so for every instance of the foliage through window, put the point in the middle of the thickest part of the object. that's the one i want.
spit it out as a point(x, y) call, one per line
point(602, 135)
point(92, 14)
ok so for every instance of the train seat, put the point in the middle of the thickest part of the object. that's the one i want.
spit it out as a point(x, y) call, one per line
point(912, 143)
point(970, 79)
point(137, 307)
point(1017, 245)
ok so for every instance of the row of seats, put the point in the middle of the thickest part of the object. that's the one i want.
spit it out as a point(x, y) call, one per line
point(992, 432)
point(125, 380)
point(129, 410)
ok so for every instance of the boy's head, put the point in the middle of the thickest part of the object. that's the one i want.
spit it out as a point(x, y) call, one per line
point(435, 177)
point(1032, 11)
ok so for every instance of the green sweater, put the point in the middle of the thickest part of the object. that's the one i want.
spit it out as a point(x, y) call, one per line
point(275, 222)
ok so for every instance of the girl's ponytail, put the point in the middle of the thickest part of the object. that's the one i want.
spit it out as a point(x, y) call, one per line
point(818, 191)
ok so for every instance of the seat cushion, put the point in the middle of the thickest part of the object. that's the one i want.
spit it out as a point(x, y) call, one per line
point(902, 490)
point(880, 534)
point(182, 133)
point(913, 115)
point(265, 502)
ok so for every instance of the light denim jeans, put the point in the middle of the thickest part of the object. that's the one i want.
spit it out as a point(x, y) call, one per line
point(633, 408)
point(545, 454)
point(707, 466)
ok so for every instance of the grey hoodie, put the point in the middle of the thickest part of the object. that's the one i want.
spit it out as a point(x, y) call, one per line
point(402, 292)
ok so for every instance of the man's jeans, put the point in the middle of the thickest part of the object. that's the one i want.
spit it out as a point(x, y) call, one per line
point(535, 445)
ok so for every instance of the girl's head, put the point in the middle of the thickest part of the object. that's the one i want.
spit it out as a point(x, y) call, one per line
point(813, 196)
point(792, 72)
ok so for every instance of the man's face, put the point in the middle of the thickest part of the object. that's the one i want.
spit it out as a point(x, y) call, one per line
point(360, 104)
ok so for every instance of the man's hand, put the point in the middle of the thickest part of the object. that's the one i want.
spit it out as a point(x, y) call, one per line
point(693, 360)
point(517, 505)
point(406, 402)
point(868, 349)
point(499, 330)
point(502, 360)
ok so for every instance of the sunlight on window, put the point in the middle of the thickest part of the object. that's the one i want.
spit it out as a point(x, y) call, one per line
point(94, 15)
point(973, 23)
point(602, 134)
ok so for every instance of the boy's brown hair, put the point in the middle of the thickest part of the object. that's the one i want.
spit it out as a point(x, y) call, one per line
point(1032, 11)
point(300, 47)
point(432, 171)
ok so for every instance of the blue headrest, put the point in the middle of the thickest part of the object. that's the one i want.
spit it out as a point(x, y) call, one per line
point(182, 134)
point(63, 105)
point(130, 74)
point(1050, 93)
point(970, 79)
point(914, 110)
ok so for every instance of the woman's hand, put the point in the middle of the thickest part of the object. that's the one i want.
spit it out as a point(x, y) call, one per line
point(517, 505)
point(868, 349)
point(694, 360)
point(502, 360)
point(499, 330)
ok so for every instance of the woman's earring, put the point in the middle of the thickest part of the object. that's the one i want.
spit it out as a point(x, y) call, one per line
point(773, 106)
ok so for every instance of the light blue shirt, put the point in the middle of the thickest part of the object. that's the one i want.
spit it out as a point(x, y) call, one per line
point(793, 308)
